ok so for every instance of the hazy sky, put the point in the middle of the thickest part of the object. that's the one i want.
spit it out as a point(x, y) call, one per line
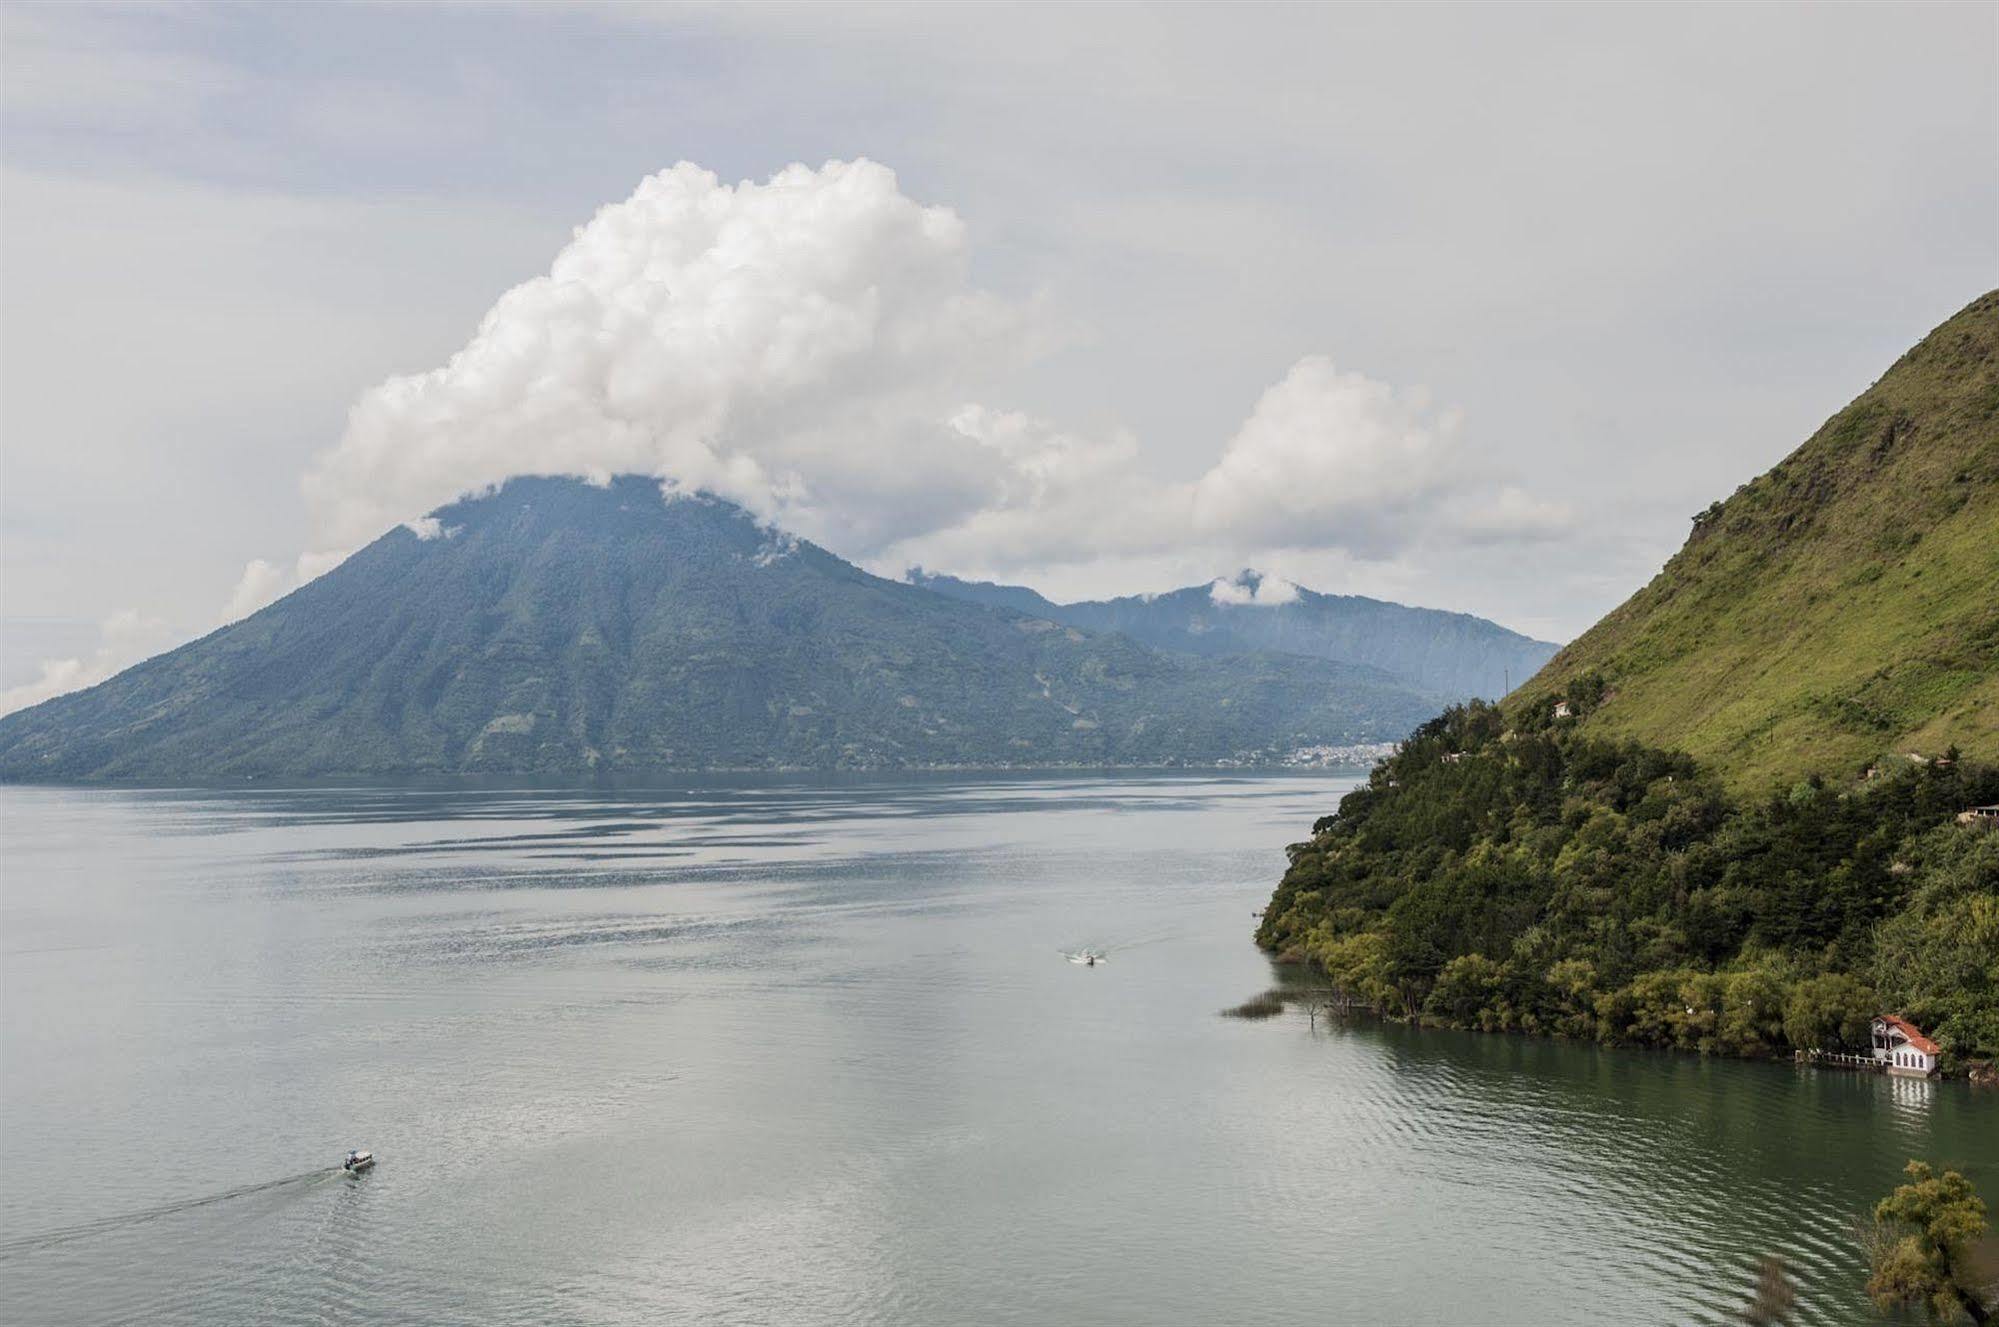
point(1469, 307)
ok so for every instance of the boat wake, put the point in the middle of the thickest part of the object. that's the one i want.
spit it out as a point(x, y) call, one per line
point(1093, 954)
point(105, 1225)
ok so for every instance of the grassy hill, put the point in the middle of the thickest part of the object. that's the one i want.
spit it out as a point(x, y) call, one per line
point(1842, 608)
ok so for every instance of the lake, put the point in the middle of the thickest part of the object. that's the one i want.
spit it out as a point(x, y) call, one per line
point(807, 1051)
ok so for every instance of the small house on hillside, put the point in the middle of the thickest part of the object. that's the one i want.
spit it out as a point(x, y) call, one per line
point(1562, 710)
point(1985, 817)
point(1901, 1047)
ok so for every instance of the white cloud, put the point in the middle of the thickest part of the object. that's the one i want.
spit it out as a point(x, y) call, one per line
point(1330, 459)
point(1041, 462)
point(801, 345)
point(1252, 589)
point(1510, 516)
point(261, 583)
point(1225, 592)
point(815, 348)
point(124, 639)
point(428, 528)
point(311, 566)
point(1326, 460)
point(796, 346)
point(264, 583)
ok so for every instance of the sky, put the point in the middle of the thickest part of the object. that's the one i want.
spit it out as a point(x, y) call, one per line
point(1467, 307)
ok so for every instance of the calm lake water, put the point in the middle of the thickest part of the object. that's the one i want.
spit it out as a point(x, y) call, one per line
point(809, 1053)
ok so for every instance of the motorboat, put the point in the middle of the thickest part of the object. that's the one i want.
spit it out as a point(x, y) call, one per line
point(357, 1161)
point(1088, 958)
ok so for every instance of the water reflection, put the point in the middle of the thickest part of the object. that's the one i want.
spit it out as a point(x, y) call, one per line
point(1912, 1096)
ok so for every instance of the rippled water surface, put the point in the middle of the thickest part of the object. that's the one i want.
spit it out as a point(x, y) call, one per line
point(810, 1053)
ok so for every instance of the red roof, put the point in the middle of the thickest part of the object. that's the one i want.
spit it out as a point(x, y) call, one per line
point(1912, 1033)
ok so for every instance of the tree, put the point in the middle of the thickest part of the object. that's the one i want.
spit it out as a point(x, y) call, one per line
point(1322, 1002)
point(1830, 1012)
point(1752, 1013)
point(1469, 985)
point(1572, 983)
point(1937, 960)
point(1926, 1224)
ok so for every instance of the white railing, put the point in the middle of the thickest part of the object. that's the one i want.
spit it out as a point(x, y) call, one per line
point(1840, 1059)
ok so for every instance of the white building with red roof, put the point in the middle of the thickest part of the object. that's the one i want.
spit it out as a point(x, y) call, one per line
point(1901, 1047)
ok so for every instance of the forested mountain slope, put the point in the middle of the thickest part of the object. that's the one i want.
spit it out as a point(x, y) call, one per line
point(1453, 654)
point(555, 627)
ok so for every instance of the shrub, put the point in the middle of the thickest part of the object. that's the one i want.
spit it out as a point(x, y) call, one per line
point(1267, 1005)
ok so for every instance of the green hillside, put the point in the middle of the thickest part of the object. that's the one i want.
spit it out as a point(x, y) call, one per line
point(1842, 608)
point(554, 627)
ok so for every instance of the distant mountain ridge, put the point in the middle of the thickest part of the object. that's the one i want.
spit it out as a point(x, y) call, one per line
point(1452, 654)
point(1840, 609)
point(557, 627)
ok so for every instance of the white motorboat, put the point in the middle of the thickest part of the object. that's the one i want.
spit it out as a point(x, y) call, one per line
point(357, 1161)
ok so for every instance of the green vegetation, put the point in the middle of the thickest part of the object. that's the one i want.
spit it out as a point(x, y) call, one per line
point(1267, 1005)
point(1923, 1232)
point(1531, 877)
point(1839, 609)
point(1454, 655)
point(557, 627)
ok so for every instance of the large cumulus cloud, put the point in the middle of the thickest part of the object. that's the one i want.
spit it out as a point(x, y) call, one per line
point(796, 345)
point(1330, 456)
point(815, 348)
point(1327, 459)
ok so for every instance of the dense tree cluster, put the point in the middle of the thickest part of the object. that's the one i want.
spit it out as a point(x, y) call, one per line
point(1918, 1248)
point(1516, 876)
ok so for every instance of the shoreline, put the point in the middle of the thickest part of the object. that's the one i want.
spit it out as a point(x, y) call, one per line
point(1334, 1007)
point(643, 779)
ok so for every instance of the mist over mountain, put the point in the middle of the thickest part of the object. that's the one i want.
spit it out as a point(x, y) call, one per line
point(551, 626)
point(1453, 654)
